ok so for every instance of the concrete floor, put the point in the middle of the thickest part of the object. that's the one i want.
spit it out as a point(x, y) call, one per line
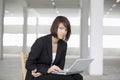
point(10, 69)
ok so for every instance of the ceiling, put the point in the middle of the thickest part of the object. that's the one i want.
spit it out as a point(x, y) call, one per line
point(48, 8)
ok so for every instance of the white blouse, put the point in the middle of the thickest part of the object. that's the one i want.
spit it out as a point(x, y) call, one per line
point(53, 57)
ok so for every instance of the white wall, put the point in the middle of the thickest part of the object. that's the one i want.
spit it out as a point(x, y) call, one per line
point(17, 29)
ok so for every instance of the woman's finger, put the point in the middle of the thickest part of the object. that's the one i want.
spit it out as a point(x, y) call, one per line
point(56, 68)
point(37, 74)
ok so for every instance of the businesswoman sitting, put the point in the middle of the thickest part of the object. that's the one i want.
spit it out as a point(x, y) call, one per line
point(48, 53)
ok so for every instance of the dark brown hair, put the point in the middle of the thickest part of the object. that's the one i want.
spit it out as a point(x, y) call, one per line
point(55, 24)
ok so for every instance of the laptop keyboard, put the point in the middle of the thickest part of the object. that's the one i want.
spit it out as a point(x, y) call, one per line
point(62, 71)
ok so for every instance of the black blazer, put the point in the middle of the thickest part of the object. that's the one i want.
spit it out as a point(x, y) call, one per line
point(40, 56)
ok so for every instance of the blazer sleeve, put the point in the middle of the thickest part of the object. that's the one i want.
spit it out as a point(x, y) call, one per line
point(33, 55)
point(63, 56)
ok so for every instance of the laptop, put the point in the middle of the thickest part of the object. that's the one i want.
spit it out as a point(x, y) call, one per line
point(78, 66)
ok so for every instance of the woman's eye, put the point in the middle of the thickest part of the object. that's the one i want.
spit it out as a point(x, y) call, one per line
point(61, 28)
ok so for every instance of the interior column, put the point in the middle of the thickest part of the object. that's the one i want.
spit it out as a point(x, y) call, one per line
point(96, 37)
point(85, 4)
point(25, 17)
point(1, 27)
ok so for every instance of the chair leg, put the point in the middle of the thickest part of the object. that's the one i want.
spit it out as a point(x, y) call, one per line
point(22, 76)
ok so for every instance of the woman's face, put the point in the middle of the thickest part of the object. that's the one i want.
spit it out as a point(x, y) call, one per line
point(62, 31)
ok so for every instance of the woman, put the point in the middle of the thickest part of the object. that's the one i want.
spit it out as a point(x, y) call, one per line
point(48, 53)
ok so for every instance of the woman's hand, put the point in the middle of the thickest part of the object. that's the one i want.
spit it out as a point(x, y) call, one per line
point(53, 69)
point(35, 73)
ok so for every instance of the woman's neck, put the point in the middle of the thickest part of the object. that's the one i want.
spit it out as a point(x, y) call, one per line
point(54, 40)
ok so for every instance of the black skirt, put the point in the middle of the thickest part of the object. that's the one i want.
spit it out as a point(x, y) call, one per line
point(59, 77)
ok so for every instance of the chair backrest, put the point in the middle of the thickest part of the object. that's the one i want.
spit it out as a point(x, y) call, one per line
point(24, 57)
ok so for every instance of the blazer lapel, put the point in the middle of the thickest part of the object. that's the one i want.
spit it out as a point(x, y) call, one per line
point(49, 48)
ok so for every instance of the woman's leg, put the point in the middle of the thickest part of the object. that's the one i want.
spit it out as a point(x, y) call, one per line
point(54, 77)
point(77, 76)
point(47, 77)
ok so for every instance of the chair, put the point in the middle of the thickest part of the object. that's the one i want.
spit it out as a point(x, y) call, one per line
point(24, 57)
